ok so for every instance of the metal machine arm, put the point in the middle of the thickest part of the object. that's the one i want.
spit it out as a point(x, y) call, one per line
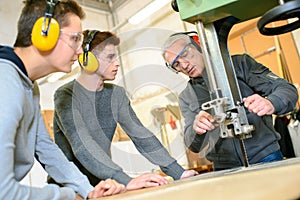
point(226, 100)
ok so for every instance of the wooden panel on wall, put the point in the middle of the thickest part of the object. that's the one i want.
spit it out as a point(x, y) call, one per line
point(257, 44)
point(245, 38)
point(236, 46)
point(270, 60)
point(120, 135)
point(291, 55)
point(48, 119)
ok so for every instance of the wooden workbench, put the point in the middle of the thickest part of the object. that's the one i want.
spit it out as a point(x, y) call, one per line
point(278, 180)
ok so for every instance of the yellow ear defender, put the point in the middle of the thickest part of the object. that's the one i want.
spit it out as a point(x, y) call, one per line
point(46, 30)
point(88, 60)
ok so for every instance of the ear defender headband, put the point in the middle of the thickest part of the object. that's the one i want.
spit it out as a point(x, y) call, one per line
point(46, 30)
point(194, 38)
point(88, 60)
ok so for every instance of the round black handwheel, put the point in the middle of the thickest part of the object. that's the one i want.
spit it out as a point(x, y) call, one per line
point(285, 11)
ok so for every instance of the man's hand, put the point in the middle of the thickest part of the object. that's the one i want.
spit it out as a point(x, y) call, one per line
point(106, 188)
point(259, 105)
point(78, 197)
point(203, 122)
point(188, 173)
point(146, 180)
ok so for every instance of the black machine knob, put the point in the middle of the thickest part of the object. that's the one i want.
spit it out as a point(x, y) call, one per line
point(174, 5)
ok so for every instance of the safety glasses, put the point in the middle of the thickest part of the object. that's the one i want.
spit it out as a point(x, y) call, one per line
point(73, 39)
point(184, 54)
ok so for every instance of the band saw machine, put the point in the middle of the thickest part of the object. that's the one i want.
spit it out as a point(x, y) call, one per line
point(214, 20)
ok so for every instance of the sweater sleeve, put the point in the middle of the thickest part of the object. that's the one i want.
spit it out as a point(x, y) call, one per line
point(264, 82)
point(190, 108)
point(57, 165)
point(144, 140)
point(86, 149)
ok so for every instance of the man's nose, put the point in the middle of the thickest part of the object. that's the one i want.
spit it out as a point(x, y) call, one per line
point(116, 62)
point(184, 64)
point(79, 51)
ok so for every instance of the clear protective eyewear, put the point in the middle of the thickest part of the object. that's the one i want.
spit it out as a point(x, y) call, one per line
point(184, 53)
point(75, 39)
point(111, 57)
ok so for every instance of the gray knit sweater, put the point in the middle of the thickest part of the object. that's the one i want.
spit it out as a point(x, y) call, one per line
point(85, 123)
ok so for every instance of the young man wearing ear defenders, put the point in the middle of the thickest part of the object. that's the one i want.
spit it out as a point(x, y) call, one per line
point(263, 94)
point(22, 130)
point(87, 111)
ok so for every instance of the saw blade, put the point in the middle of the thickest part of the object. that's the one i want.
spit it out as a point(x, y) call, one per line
point(244, 153)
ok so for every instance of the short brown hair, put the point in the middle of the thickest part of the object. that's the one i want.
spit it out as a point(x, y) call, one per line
point(101, 39)
point(35, 9)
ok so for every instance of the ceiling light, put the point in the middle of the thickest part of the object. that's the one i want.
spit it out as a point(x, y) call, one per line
point(147, 11)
